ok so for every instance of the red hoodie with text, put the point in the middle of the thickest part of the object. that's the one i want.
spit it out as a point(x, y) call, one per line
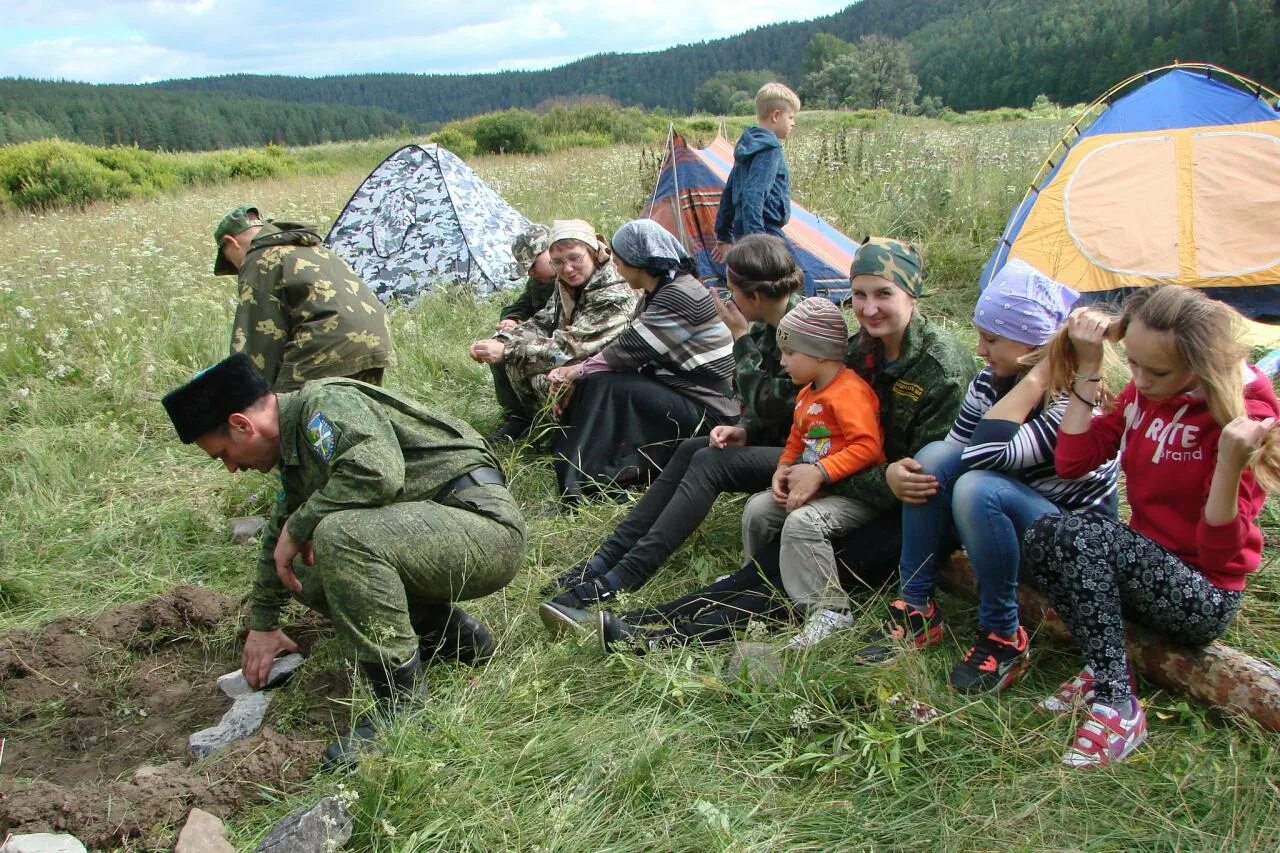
point(1168, 450)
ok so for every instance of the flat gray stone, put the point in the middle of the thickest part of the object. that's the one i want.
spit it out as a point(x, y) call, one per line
point(757, 663)
point(324, 827)
point(233, 683)
point(244, 718)
point(247, 529)
point(43, 842)
point(203, 833)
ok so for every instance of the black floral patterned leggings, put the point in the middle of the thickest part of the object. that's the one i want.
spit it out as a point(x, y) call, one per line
point(1096, 570)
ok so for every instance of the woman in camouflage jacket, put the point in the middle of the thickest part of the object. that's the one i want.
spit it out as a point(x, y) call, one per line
point(590, 306)
point(919, 373)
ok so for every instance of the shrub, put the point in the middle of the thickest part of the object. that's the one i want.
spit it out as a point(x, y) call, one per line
point(146, 172)
point(43, 174)
point(456, 141)
point(510, 132)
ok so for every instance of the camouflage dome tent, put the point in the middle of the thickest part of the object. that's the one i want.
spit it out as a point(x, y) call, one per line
point(422, 220)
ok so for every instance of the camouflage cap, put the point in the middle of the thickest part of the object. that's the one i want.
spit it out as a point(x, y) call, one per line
point(892, 260)
point(244, 217)
point(535, 240)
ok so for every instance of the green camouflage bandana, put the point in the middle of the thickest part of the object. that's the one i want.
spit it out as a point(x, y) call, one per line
point(892, 260)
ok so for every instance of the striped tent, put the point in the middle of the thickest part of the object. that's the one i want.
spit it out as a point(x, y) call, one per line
point(1172, 176)
point(687, 196)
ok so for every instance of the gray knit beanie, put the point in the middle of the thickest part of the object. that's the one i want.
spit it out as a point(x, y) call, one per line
point(815, 327)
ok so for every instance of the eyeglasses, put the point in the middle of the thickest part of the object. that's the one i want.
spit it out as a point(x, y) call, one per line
point(570, 259)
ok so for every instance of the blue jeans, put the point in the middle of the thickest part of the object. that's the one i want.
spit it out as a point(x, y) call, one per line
point(988, 511)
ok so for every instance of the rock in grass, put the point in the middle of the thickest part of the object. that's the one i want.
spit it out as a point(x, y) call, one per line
point(323, 827)
point(246, 714)
point(245, 530)
point(757, 663)
point(233, 683)
point(43, 842)
point(203, 833)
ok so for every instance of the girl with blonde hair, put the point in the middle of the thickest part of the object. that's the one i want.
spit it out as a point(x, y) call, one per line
point(1194, 434)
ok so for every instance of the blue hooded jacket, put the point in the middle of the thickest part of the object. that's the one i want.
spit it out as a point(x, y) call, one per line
point(757, 196)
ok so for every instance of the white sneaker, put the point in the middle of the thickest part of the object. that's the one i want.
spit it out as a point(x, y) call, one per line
point(818, 626)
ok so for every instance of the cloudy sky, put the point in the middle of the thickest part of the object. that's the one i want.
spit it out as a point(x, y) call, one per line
point(132, 41)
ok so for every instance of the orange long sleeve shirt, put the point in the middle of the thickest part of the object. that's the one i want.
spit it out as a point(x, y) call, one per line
point(836, 428)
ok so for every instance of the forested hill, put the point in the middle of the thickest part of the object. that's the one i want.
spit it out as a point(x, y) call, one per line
point(974, 54)
point(177, 120)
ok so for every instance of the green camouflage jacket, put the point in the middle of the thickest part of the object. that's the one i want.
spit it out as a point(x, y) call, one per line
point(559, 334)
point(767, 393)
point(347, 445)
point(304, 313)
point(920, 396)
point(532, 300)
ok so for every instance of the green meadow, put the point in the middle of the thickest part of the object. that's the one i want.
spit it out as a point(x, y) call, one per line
point(553, 746)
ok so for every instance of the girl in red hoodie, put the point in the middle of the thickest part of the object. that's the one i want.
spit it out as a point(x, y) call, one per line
point(1191, 430)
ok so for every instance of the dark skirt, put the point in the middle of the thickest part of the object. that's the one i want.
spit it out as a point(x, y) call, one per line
point(620, 430)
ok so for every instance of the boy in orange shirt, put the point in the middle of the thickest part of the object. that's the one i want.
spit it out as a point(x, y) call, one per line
point(835, 432)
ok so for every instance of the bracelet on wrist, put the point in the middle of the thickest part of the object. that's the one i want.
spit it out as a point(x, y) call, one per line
point(1076, 394)
point(1080, 377)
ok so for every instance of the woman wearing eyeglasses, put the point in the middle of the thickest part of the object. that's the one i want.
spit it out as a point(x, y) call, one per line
point(589, 307)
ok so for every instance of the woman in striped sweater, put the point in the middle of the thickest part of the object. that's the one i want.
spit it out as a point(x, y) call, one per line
point(663, 379)
point(986, 483)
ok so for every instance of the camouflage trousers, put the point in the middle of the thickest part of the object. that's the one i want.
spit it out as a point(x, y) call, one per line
point(529, 392)
point(380, 571)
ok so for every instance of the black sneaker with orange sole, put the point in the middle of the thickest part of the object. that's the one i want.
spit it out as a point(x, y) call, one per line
point(993, 663)
point(906, 629)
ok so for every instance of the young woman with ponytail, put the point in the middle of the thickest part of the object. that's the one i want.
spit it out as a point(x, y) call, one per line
point(1194, 432)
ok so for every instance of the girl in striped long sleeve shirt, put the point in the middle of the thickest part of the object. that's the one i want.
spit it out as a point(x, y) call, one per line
point(987, 482)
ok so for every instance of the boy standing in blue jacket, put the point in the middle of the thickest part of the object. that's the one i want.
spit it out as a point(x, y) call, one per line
point(757, 195)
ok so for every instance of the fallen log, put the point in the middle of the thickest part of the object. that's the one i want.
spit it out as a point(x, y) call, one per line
point(1217, 674)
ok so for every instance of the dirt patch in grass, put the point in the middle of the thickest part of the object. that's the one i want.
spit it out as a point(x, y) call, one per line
point(96, 711)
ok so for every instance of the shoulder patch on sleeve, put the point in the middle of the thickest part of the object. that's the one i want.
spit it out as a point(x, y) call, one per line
point(322, 437)
point(910, 390)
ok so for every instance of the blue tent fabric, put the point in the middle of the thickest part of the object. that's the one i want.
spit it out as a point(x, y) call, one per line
point(1181, 99)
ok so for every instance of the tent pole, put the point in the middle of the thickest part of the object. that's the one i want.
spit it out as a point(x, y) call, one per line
point(675, 180)
point(653, 196)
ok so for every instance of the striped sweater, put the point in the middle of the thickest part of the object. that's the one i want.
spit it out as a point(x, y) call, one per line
point(677, 338)
point(1025, 450)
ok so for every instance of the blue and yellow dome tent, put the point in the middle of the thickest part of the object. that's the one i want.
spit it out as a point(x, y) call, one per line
point(1171, 176)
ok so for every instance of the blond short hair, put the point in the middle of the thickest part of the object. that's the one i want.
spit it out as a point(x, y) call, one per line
point(775, 96)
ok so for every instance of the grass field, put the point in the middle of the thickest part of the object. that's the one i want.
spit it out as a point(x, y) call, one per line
point(553, 746)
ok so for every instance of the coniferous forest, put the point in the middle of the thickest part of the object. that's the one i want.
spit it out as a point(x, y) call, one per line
point(966, 54)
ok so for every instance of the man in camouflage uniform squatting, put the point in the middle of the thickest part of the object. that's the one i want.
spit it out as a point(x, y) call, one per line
point(303, 313)
point(530, 252)
point(589, 307)
point(395, 510)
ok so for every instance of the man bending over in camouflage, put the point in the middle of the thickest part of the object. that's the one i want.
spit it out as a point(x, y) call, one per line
point(303, 313)
point(395, 510)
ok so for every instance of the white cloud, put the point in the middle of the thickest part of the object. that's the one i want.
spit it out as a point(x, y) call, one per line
point(143, 40)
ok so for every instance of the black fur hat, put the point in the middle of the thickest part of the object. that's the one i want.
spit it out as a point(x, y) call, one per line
point(213, 395)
